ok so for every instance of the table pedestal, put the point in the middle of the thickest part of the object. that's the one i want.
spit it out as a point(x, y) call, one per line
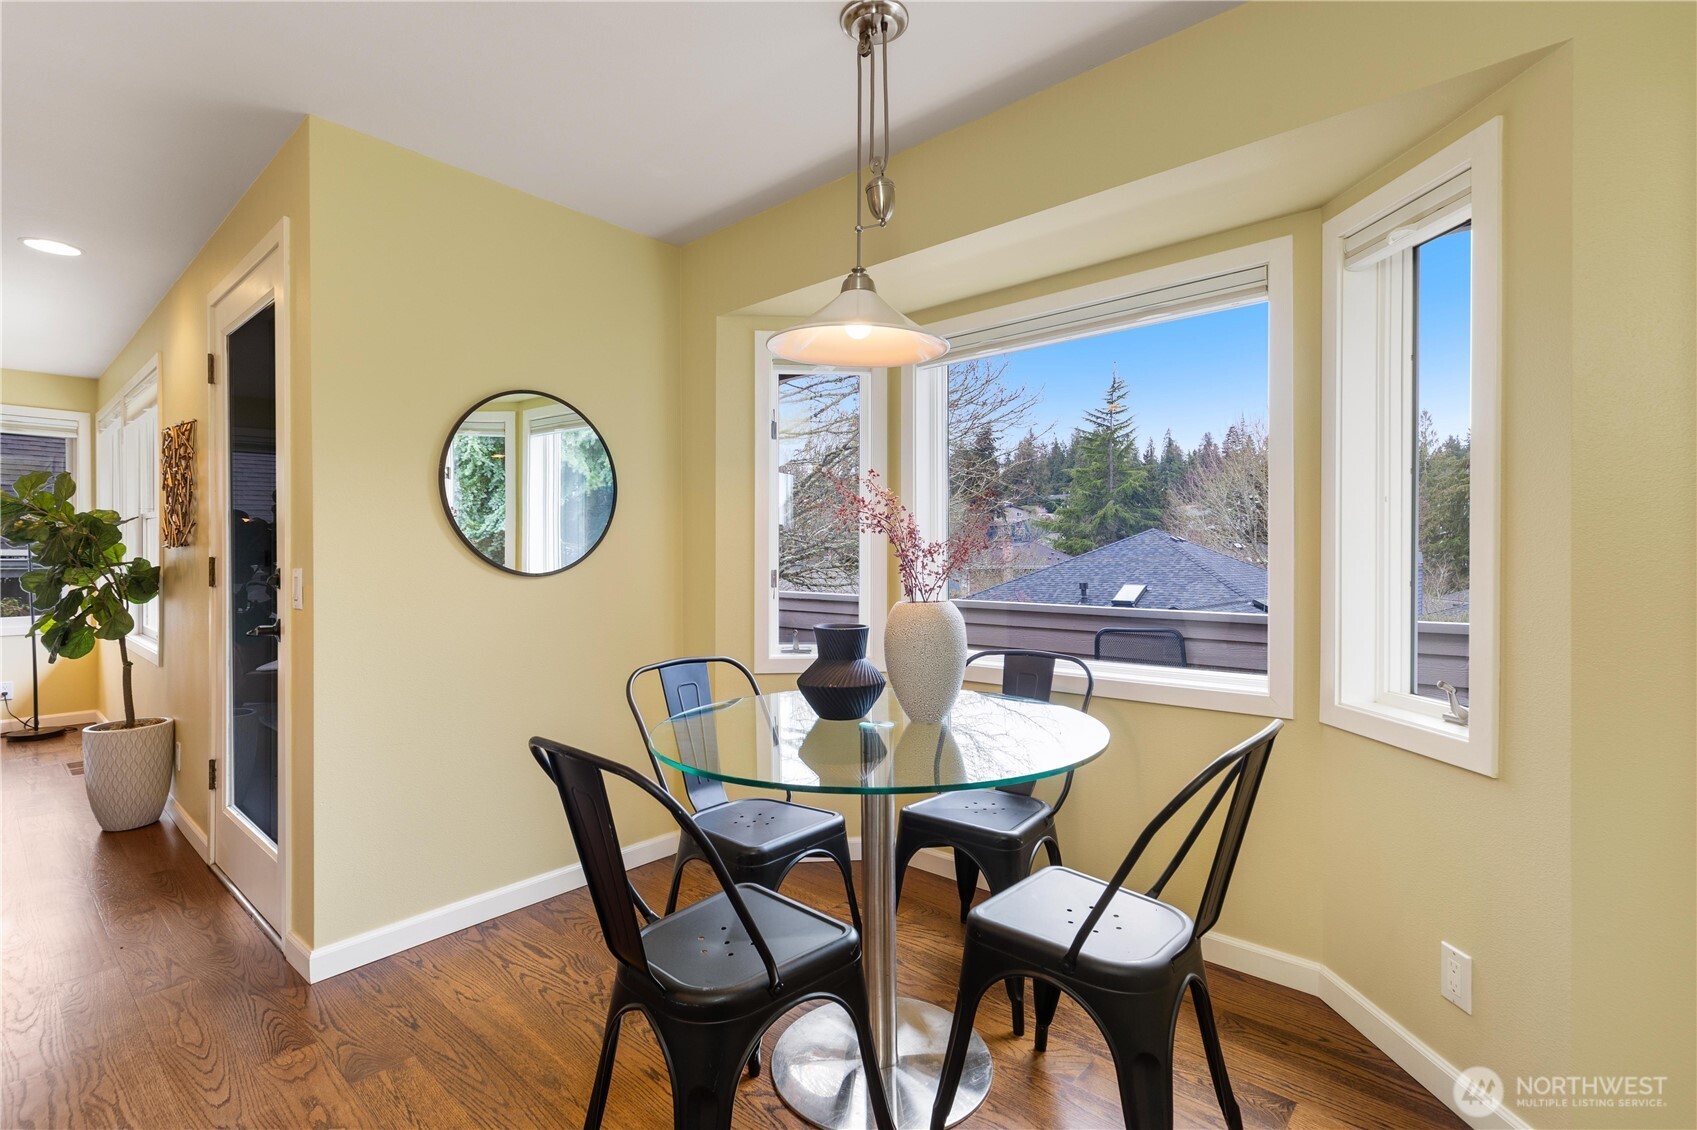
point(816, 1066)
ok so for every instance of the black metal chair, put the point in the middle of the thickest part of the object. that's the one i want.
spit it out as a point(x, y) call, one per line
point(1126, 958)
point(1163, 647)
point(712, 977)
point(996, 831)
point(759, 839)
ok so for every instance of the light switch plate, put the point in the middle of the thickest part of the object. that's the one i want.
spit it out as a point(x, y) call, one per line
point(299, 579)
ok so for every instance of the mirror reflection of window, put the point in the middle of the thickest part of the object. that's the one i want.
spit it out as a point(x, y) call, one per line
point(528, 482)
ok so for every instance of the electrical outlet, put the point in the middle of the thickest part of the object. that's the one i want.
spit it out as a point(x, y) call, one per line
point(1455, 977)
point(177, 763)
point(5, 692)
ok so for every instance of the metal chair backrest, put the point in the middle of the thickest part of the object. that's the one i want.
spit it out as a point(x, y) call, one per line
point(1027, 673)
point(1163, 647)
point(581, 780)
point(1238, 772)
point(687, 685)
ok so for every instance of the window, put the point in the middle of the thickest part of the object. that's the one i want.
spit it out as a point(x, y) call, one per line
point(568, 499)
point(35, 439)
point(815, 427)
point(1128, 446)
point(1410, 459)
point(127, 481)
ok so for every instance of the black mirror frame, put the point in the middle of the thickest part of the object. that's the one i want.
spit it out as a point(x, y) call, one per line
point(448, 510)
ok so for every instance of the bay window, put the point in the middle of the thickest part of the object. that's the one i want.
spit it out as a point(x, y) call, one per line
point(1127, 448)
point(1410, 451)
point(816, 428)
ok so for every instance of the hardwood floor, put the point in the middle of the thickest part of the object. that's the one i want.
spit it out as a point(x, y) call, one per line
point(137, 992)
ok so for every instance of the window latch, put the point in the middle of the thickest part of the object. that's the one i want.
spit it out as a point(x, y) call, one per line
point(1457, 713)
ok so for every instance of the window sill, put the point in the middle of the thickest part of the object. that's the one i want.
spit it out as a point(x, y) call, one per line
point(144, 649)
point(783, 664)
point(1415, 730)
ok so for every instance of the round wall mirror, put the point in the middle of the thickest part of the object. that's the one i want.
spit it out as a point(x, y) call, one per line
point(528, 483)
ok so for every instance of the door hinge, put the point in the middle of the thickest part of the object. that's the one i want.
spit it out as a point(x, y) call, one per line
point(774, 425)
point(212, 772)
point(774, 580)
point(212, 572)
point(211, 368)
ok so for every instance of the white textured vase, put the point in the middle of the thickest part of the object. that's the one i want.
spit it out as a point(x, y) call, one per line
point(925, 650)
point(127, 773)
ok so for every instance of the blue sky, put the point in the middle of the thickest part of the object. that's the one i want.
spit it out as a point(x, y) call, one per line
point(1200, 374)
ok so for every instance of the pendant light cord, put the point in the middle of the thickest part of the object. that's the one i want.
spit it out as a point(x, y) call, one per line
point(863, 48)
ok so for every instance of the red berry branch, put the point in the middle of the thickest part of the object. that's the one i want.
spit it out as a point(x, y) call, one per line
point(925, 565)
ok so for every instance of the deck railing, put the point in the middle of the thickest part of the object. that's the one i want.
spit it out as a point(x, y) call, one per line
point(1215, 641)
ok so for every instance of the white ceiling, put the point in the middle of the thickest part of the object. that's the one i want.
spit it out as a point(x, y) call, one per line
point(131, 129)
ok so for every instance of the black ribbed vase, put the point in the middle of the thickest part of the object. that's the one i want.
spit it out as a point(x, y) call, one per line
point(842, 684)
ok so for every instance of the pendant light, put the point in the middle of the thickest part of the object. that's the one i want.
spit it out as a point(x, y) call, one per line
point(858, 327)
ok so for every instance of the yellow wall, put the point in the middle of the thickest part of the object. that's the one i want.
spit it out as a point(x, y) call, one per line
point(434, 289)
point(1578, 863)
point(69, 685)
point(176, 330)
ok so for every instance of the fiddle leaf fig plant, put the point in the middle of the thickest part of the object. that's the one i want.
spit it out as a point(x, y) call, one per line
point(80, 578)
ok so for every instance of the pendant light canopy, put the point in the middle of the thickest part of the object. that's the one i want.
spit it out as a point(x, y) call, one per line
point(858, 327)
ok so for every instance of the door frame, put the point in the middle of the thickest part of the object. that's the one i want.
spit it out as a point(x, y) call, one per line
point(276, 241)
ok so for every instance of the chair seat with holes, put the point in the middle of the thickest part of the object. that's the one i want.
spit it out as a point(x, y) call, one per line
point(986, 815)
point(745, 829)
point(703, 956)
point(1038, 919)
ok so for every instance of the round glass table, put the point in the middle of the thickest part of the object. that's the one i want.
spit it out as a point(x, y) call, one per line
point(776, 741)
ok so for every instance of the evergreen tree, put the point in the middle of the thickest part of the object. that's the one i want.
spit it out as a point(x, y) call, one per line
point(1107, 495)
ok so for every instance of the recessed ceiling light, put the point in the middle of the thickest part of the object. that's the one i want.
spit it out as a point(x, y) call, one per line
point(51, 246)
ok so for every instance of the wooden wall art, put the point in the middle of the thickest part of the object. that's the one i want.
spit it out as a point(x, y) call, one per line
point(176, 472)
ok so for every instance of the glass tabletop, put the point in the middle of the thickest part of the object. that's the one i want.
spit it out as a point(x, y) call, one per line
point(776, 741)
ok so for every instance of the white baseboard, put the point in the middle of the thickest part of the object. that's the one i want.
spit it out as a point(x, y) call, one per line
point(385, 941)
point(48, 721)
point(932, 861)
point(192, 832)
point(1431, 1070)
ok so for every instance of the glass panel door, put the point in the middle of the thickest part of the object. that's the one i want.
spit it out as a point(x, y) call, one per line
point(254, 577)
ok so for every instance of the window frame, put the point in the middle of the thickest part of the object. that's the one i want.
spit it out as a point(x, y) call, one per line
point(873, 603)
point(124, 408)
point(925, 472)
point(1367, 490)
point(51, 422)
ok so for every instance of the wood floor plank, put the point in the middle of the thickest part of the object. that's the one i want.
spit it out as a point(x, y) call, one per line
point(134, 991)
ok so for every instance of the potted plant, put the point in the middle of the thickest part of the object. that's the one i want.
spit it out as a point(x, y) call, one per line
point(925, 637)
point(87, 588)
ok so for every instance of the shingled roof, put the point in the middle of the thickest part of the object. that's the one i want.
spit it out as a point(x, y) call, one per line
point(1175, 573)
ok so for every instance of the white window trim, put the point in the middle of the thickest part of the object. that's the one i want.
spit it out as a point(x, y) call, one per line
point(874, 603)
point(52, 421)
point(144, 385)
point(1358, 546)
point(925, 477)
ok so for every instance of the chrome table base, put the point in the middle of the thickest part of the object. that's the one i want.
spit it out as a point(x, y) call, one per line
point(816, 1068)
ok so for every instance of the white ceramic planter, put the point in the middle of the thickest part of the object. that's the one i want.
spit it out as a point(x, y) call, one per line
point(925, 650)
point(127, 773)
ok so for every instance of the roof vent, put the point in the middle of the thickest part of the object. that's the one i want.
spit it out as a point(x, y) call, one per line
point(1084, 592)
point(1129, 595)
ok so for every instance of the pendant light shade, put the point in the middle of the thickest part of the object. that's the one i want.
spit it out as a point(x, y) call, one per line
point(857, 327)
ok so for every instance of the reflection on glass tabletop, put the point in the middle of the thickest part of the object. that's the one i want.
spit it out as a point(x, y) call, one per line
point(776, 741)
